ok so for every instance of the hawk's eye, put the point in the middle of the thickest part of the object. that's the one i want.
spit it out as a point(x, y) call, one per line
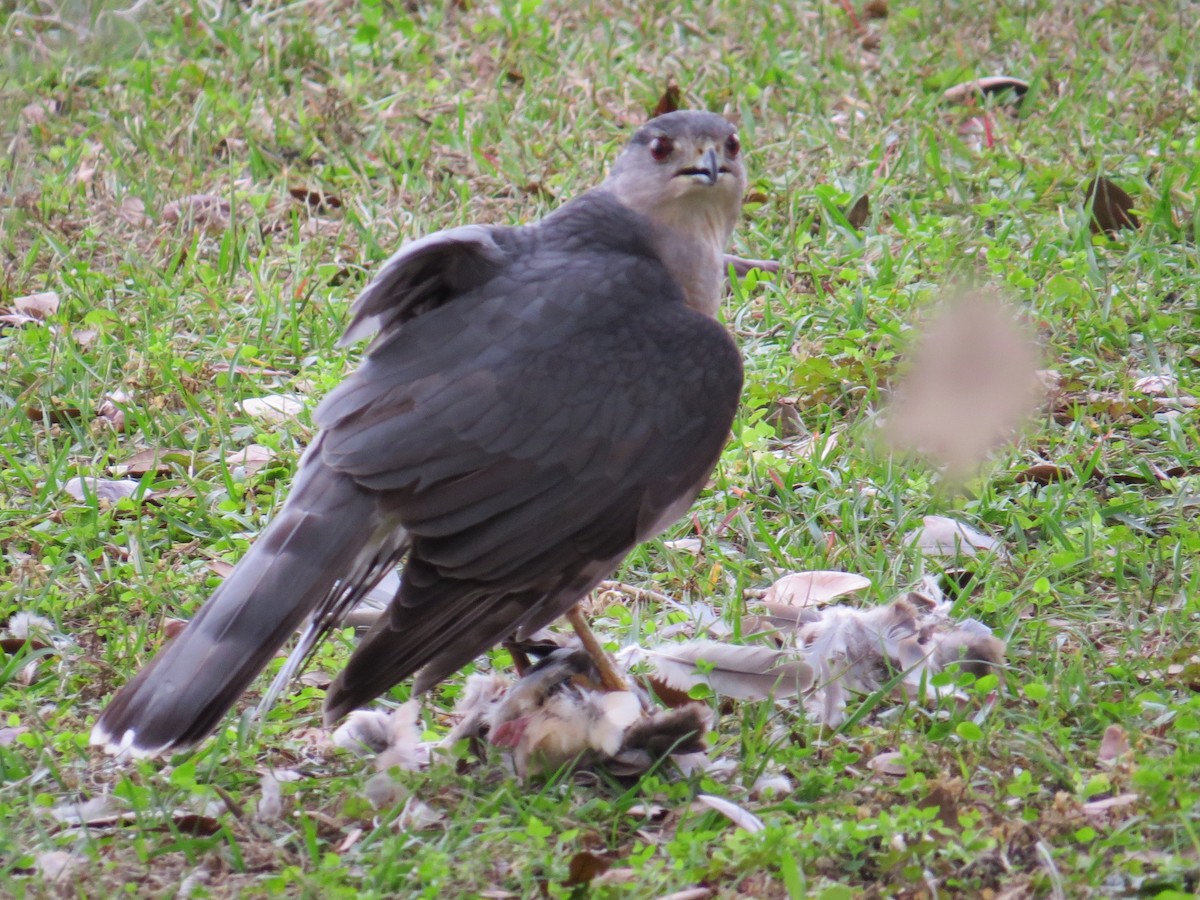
point(661, 147)
point(732, 146)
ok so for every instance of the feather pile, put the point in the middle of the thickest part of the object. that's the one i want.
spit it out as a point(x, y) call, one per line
point(554, 715)
point(827, 654)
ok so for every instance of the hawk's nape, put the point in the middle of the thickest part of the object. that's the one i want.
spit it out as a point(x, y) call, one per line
point(535, 402)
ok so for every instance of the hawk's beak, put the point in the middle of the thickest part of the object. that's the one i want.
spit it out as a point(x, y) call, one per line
point(707, 168)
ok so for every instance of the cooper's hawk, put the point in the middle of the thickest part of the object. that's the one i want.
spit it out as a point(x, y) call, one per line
point(535, 402)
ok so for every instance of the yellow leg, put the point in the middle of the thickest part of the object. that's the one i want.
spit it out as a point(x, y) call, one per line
point(610, 678)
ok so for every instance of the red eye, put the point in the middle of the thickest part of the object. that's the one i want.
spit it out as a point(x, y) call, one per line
point(732, 146)
point(661, 147)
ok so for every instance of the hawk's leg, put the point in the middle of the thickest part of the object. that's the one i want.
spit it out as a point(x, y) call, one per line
point(520, 658)
point(610, 678)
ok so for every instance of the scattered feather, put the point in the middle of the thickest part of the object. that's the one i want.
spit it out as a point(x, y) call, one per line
point(26, 626)
point(364, 732)
point(738, 816)
point(270, 801)
point(273, 408)
point(747, 672)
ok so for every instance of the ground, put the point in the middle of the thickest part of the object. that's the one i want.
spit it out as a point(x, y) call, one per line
point(322, 134)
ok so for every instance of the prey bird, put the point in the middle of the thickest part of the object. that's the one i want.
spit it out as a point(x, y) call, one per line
point(535, 402)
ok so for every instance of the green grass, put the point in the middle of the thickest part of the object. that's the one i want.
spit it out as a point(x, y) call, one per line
point(423, 116)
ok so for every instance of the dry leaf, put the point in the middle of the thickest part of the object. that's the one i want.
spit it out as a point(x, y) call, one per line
point(668, 102)
point(1100, 808)
point(9, 735)
point(696, 893)
point(585, 866)
point(34, 113)
point(740, 817)
point(37, 306)
point(973, 383)
point(105, 489)
point(316, 200)
point(155, 459)
point(173, 627)
point(747, 672)
point(55, 864)
point(251, 459)
point(859, 213)
point(1112, 208)
point(206, 211)
point(944, 537)
point(273, 408)
point(110, 409)
point(1043, 473)
point(814, 588)
point(1113, 745)
point(888, 764)
point(1157, 385)
point(133, 211)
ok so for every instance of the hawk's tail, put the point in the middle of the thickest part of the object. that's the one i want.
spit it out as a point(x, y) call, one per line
point(323, 547)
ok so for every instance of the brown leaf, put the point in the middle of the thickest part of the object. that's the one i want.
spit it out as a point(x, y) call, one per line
point(196, 825)
point(875, 9)
point(251, 459)
point(206, 211)
point(220, 567)
point(1113, 745)
point(1112, 208)
point(133, 211)
point(316, 199)
point(55, 411)
point(859, 212)
point(15, 645)
point(1043, 473)
point(944, 796)
point(585, 866)
point(668, 102)
point(110, 410)
point(154, 459)
point(888, 764)
point(38, 306)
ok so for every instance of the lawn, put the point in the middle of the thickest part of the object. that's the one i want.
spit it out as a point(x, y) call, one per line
point(320, 135)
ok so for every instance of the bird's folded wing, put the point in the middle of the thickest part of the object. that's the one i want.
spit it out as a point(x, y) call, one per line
point(540, 419)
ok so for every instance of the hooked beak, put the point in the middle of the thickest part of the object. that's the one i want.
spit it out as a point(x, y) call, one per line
point(707, 168)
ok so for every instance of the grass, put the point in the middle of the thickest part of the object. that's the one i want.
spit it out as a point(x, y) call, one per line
point(413, 118)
